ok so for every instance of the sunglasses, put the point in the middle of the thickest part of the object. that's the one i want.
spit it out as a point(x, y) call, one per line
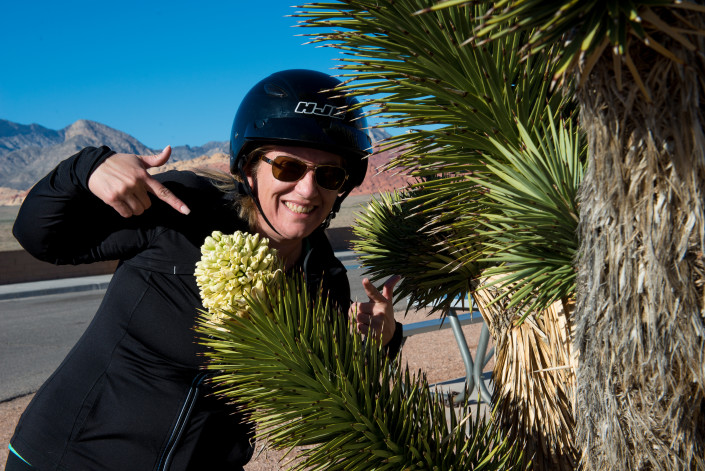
point(289, 169)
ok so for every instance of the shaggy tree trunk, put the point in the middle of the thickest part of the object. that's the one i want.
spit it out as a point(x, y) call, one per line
point(639, 307)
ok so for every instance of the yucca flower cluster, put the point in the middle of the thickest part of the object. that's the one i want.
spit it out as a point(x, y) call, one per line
point(233, 267)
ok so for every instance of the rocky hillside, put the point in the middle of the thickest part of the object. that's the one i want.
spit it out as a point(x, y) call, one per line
point(28, 152)
point(15, 136)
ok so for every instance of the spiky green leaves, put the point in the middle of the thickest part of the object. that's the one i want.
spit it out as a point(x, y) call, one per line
point(308, 379)
point(530, 229)
point(395, 238)
point(414, 73)
point(515, 221)
point(586, 28)
point(485, 101)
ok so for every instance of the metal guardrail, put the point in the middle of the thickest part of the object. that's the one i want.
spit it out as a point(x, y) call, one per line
point(473, 369)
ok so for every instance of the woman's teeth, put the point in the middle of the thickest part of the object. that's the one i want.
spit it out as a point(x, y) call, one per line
point(298, 208)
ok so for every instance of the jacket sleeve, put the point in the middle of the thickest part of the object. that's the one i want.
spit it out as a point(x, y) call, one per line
point(62, 222)
point(393, 347)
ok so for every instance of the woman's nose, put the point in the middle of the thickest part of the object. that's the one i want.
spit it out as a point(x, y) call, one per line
point(307, 185)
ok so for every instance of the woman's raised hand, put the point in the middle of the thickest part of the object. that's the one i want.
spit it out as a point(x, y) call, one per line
point(122, 182)
point(376, 317)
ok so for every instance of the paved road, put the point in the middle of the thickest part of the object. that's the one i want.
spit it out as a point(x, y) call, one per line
point(35, 335)
point(37, 332)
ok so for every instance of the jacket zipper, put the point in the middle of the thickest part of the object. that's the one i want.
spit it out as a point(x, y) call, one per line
point(181, 422)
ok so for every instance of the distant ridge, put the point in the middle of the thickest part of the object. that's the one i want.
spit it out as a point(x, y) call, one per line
point(15, 136)
point(28, 152)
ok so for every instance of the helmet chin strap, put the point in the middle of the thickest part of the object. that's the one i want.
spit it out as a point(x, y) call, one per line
point(245, 185)
point(336, 208)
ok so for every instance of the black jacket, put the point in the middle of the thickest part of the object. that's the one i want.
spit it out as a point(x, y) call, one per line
point(131, 393)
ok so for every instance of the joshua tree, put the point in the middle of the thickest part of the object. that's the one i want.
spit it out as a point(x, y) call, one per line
point(640, 322)
point(312, 383)
point(637, 68)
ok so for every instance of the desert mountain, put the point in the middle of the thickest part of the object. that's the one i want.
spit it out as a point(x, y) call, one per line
point(28, 152)
point(15, 136)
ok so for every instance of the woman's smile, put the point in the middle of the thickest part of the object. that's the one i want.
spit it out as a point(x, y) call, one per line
point(299, 208)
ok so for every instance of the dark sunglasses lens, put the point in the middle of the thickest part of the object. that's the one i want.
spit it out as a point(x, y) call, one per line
point(287, 170)
point(330, 178)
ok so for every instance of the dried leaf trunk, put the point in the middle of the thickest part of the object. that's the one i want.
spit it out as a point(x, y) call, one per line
point(639, 316)
point(534, 379)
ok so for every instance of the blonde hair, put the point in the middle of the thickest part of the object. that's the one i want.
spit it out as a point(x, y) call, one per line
point(229, 183)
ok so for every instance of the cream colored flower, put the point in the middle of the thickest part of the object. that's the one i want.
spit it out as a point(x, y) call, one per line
point(233, 267)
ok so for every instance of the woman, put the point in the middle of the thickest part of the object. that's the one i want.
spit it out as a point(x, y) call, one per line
point(132, 393)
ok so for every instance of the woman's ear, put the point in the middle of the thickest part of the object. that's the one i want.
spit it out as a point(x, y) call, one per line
point(252, 177)
point(251, 169)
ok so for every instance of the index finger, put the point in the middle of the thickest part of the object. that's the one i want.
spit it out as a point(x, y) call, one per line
point(388, 288)
point(164, 194)
point(374, 294)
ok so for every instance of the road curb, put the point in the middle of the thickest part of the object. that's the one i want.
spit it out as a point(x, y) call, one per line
point(44, 288)
point(98, 282)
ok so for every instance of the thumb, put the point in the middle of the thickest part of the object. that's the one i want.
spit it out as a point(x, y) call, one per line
point(156, 160)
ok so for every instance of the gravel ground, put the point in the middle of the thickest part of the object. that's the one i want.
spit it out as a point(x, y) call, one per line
point(435, 354)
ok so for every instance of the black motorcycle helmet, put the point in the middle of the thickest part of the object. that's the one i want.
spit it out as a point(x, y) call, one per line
point(299, 107)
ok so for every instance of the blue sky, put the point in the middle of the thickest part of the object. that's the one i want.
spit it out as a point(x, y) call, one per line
point(164, 72)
